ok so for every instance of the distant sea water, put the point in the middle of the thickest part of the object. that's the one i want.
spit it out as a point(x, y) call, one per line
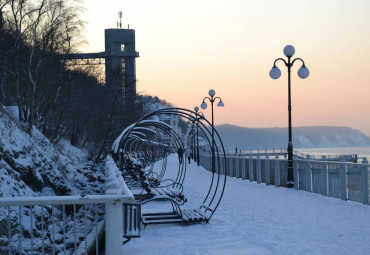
point(360, 151)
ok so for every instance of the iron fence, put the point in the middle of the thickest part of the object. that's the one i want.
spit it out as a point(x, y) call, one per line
point(61, 224)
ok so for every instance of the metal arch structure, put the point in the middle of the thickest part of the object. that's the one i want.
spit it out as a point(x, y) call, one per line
point(132, 142)
point(138, 141)
point(218, 178)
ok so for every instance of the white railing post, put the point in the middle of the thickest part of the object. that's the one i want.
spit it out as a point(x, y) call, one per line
point(308, 176)
point(324, 179)
point(231, 167)
point(216, 164)
point(114, 228)
point(250, 168)
point(225, 166)
point(296, 174)
point(222, 165)
point(277, 172)
point(244, 169)
point(114, 185)
point(237, 166)
point(267, 170)
point(343, 181)
point(259, 174)
point(365, 183)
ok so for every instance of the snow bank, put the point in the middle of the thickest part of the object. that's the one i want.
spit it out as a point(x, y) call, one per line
point(11, 184)
point(32, 166)
point(114, 183)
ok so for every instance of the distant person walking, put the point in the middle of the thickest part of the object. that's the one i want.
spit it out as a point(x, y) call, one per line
point(180, 153)
point(188, 153)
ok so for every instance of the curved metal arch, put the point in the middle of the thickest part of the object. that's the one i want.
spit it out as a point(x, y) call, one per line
point(214, 185)
point(178, 142)
point(152, 148)
point(218, 182)
point(135, 140)
point(168, 129)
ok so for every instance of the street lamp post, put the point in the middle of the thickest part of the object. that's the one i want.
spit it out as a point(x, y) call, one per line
point(212, 99)
point(199, 115)
point(303, 73)
point(193, 143)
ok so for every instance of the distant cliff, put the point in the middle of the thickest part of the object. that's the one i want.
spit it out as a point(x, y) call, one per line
point(303, 137)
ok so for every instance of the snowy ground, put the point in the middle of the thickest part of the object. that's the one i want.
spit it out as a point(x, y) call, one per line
point(258, 219)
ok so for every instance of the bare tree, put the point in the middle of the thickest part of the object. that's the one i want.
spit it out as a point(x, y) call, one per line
point(41, 29)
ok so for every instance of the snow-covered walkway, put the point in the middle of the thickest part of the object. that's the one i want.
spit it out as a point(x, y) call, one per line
point(258, 219)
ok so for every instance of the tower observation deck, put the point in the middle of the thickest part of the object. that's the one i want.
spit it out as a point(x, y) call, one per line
point(119, 58)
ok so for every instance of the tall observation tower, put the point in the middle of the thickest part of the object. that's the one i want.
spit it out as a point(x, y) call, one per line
point(119, 57)
point(120, 61)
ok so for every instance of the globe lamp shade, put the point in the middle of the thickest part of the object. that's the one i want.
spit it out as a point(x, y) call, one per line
point(289, 51)
point(220, 104)
point(203, 105)
point(275, 73)
point(212, 93)
point(303, 72)
point(196, 108)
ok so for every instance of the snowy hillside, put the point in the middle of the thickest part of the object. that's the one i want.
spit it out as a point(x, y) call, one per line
point(30, 165)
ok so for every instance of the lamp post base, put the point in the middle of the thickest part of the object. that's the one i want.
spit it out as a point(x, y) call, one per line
point(290, 177)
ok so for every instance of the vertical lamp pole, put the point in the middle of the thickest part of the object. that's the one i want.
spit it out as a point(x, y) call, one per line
point(199, 115)
point(193, 143)
point(212, 99)
point(303, 73)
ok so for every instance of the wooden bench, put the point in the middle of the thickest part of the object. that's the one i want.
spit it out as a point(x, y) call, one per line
point(151, 188)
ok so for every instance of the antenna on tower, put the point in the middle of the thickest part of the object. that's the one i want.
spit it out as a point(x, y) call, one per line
point(120, 19)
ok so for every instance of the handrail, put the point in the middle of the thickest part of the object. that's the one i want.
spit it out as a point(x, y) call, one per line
point(66, 200)
point(283, 151)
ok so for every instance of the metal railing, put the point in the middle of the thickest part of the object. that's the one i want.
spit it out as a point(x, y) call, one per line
point(297, 154)
point(58, 224)
point(274, 151)
point(344, 180)
point(71, 224)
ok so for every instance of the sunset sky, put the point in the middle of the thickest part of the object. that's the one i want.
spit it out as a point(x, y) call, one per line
point(190, 46)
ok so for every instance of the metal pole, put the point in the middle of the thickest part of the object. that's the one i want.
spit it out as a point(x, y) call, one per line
point(198, 159)
point(290, 177)
point(194, 144)
point(213, 139)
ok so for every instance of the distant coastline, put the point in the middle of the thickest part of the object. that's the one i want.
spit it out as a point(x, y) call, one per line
point(303, 137)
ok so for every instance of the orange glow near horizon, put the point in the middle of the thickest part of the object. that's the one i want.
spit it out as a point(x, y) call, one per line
point(188, 47)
